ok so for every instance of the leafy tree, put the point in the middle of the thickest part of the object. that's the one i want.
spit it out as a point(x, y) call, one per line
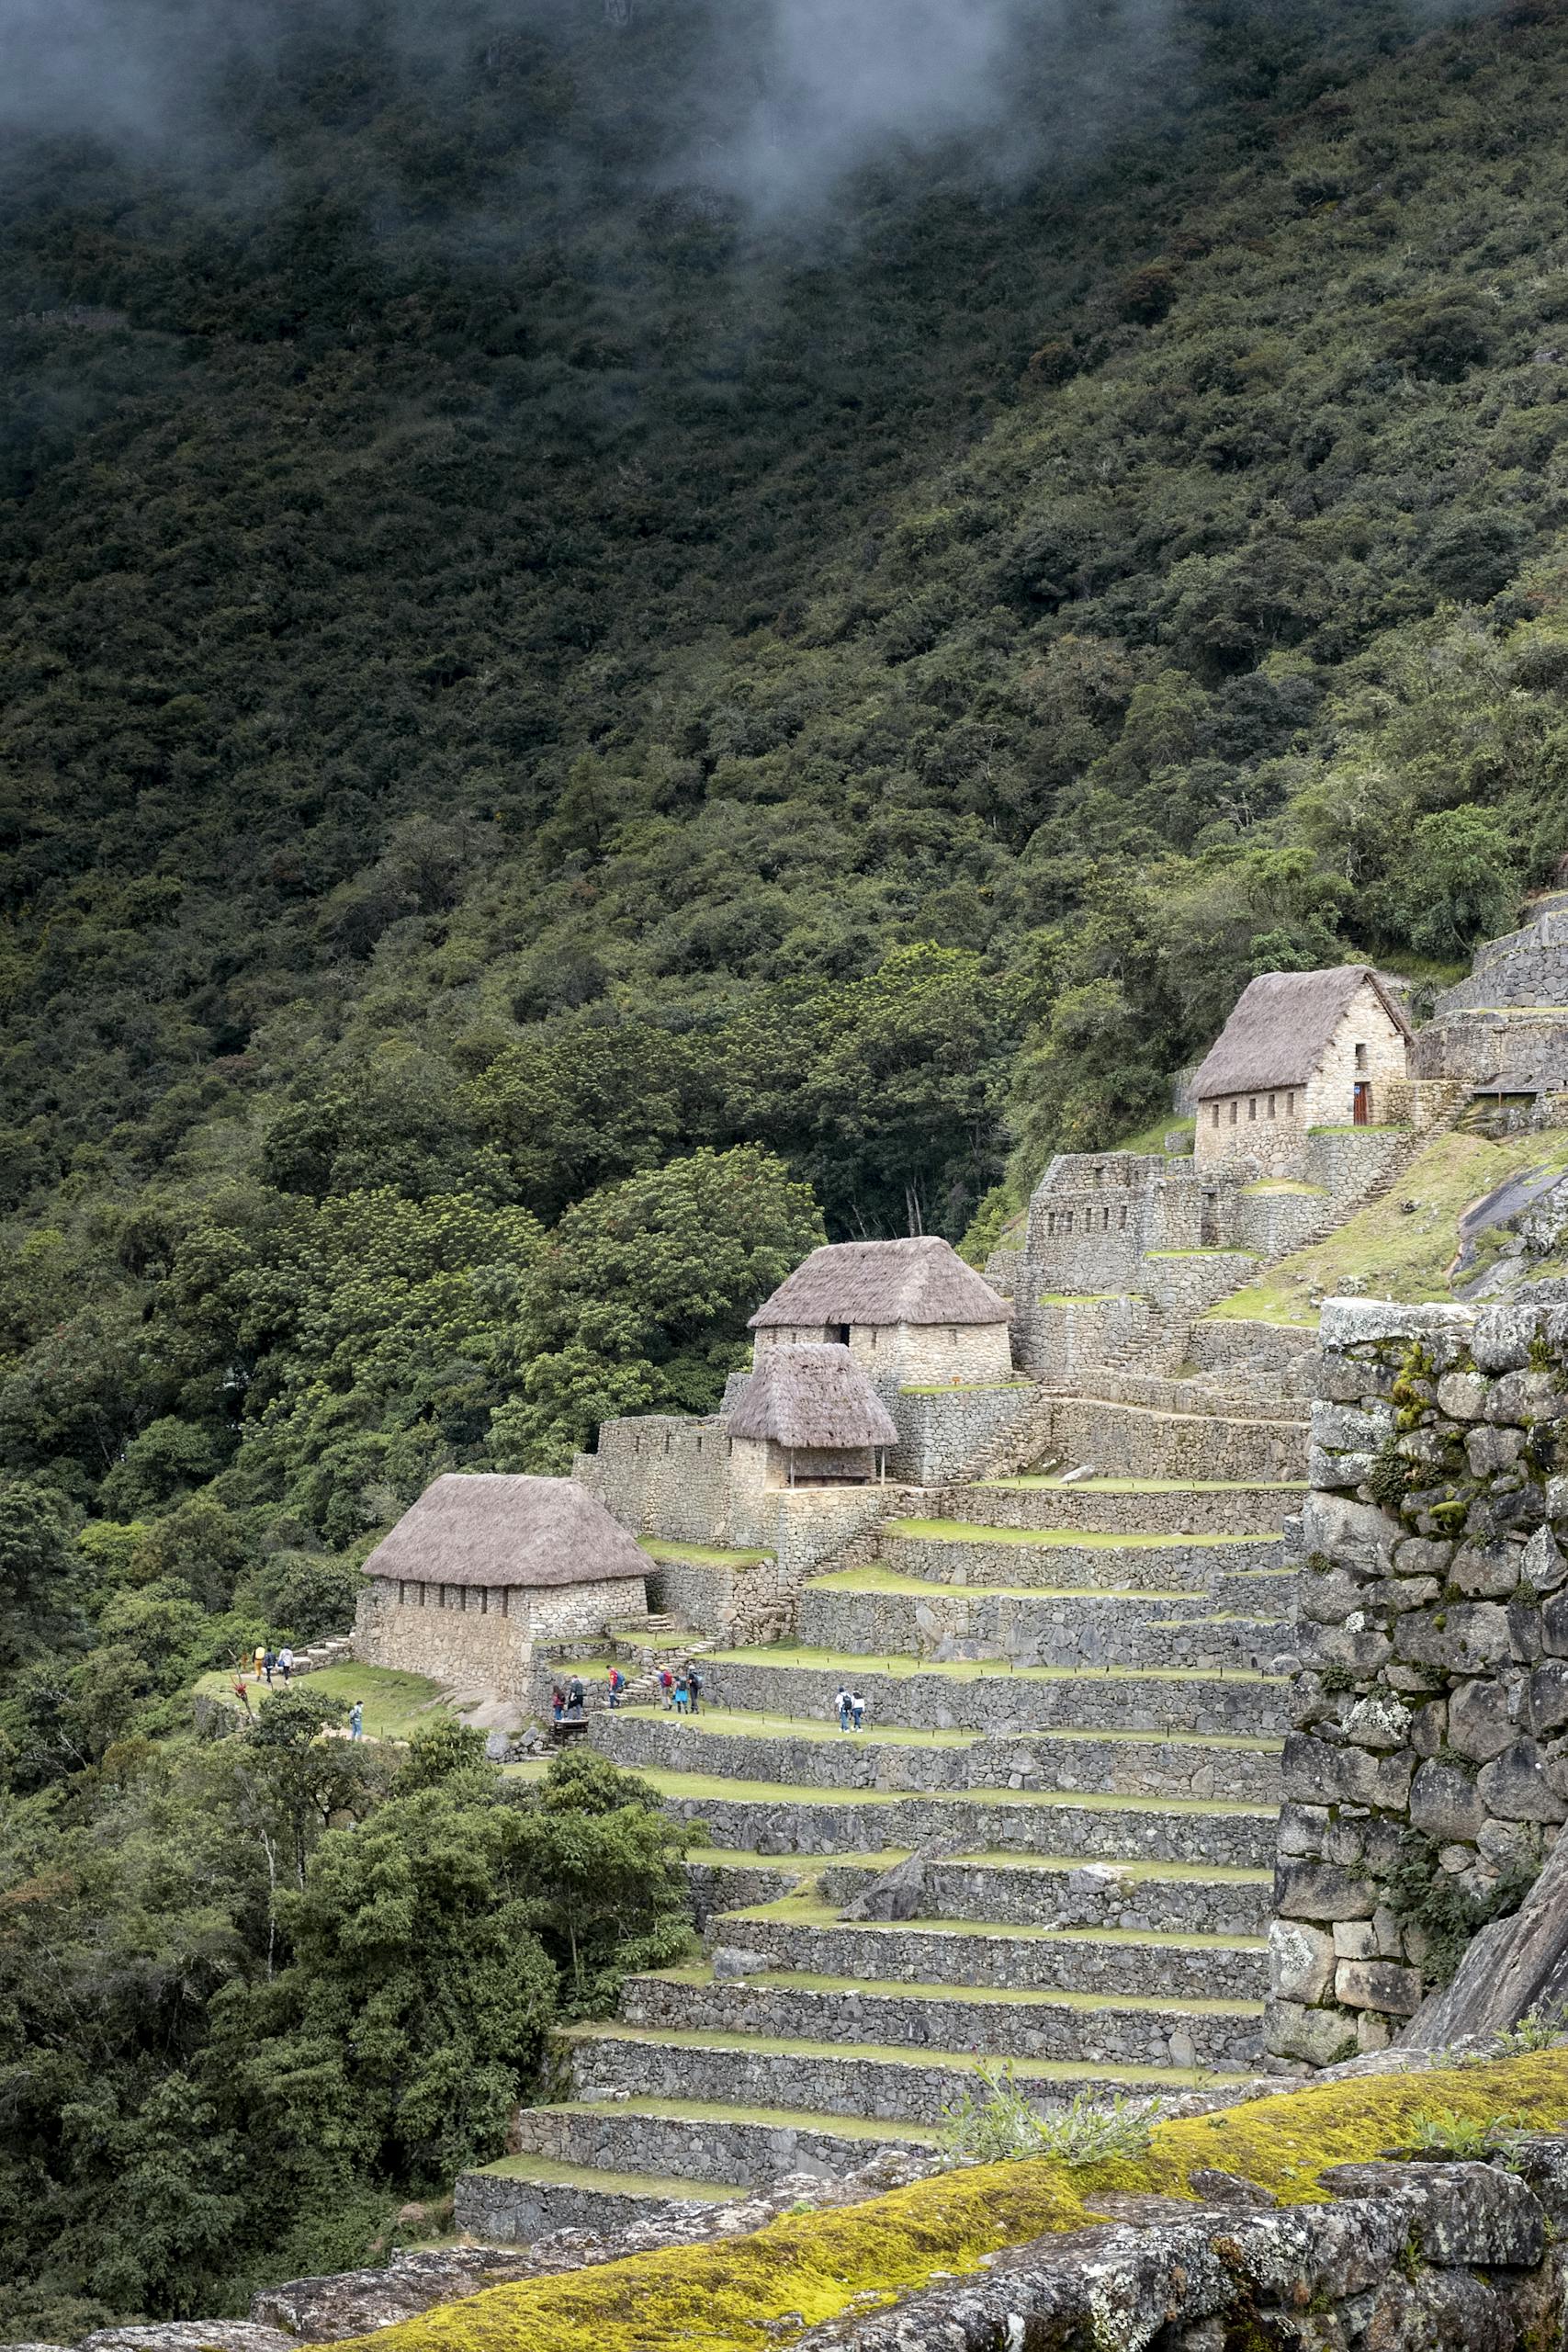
point(1462, 881)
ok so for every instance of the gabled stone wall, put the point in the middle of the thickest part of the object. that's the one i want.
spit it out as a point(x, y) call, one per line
point(1427, 1774)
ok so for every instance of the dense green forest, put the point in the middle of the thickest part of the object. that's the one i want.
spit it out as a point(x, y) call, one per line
point(566, 732)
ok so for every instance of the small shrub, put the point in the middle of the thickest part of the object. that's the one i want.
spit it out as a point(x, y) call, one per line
point(1389, 1476)
point(1468, 2139)
point(997, 2124)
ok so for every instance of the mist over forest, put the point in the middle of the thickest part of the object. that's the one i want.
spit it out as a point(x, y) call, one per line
point(635, 633)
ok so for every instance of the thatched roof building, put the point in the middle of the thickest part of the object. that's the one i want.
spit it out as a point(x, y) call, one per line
point(883, 1283)
point(1282, 1027)
point(813, 1399)
point(497, 1532)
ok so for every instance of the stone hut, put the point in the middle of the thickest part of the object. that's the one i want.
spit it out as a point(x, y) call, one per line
point(1302, 1050)
point(482, 1566)
point(910, 1313)
point(808, 1416)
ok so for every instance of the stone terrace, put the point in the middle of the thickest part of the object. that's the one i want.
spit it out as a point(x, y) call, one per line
point(1076, 1697)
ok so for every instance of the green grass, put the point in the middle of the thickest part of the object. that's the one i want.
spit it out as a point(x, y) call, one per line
point(1383, 1251)
point(895, 2054)
point(875, 1579)
point(1081, 1297)
point(774, 2119)
point(788, 1657)
point(979, 1996)
point(1152, 1138)
point(705, 1787)
point(704, 1555)
point(1051, 1482)
point(1287, 1184)
point(547, 2174)
point(396, 1704)
point(963, 1530)
point(734, 1722)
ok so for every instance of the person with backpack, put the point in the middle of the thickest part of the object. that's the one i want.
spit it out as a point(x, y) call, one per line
point(617, 1684)
point(667, 1684)
point(268, 1661)
point(842, 1704)
point(682, 1692)
point(557, 1703)
point(356, 1720)
point(694, 1684)
point(286, 1664)
point(576, 1697)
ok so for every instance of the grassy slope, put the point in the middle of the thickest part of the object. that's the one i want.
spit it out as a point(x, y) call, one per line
point(395, 1704)
point(802, 2271)
point(1388, 1252)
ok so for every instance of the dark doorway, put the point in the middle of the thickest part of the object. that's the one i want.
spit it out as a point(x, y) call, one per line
point(839, 1331)
point(1209, 1223)
point(1361, 1104)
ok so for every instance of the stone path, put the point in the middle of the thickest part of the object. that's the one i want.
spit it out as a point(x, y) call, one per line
point(1075, 1715)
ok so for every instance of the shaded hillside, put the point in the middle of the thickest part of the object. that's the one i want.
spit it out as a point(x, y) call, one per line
point(547, 716)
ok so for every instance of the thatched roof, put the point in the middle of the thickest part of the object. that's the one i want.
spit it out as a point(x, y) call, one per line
point(1282, 1027)
point(883, 1283)
point(812, 1397)
point(484, 1528)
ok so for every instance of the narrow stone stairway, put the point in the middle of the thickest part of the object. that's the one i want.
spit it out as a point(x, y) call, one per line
point(1075, 1706)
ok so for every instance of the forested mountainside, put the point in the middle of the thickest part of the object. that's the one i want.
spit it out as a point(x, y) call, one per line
point(589, 697)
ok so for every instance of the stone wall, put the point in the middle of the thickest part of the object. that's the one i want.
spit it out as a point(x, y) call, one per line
point(942, 1432)
point(896, 1355)
point(1266, 1129)
point(1427, 1772)
point(462, 1635)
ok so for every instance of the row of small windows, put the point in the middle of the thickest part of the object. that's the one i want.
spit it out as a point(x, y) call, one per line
point(1253, 1101)
point(661, 1444)
point(1062, 1220)
point(462, 1597)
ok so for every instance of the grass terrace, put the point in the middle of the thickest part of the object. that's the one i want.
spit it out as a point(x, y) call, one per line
point(396, 1704)
point(960, 1530)
point(761, 2293)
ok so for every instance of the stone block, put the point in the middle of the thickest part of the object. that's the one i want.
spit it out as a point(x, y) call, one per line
point(1378, 1984)
point(1557, 1499)
point(1486, 1572)
point(1315, 2037)
point(1300, 1961)
point(1478, 2214)
point(1478, 1723)
point(1362, 1322)
point(1488, 1450)
point(1361, 1653)
point(1554, 1625)
point(1328, 1599)
point(1524, 1632)
point(1350, 1531)
point(1429, 1727)
point(1387, 1935)
point(1514, 1787)
point(1301, 1829)
point(1422, 1556)
point(1355, 1940)
point(1379, 1721)
point(1320, 1890)
point(1396, 1594)
point(1327, 1775)
point(1462, 1638)
point(1444, 1803)
point(1504, 1336)
point(1526, 1397)
point(1352, 1429)
point(1544, 1563)
point(1548, 1700)
point(1463, 1396)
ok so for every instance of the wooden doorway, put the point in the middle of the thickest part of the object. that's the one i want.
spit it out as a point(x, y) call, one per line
point(1361, 1104)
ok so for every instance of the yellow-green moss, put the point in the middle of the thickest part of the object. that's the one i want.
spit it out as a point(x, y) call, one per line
point(729, 2297)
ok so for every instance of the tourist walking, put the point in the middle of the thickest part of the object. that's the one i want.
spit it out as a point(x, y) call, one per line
point(857, 1708)
point(286, 1665)
point(842, 1704)
point(682, 1694)
point(617, 1684)
point(667, 1684)
point(557, 1703)
point(356, 1720)
point(576, 1697)
point(268, 1662)
point(259, 1658)
point(694, 1684)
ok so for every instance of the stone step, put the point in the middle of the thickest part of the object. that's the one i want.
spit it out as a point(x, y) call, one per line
point(693, 2140)
point(999, 1955)
point(817, 1755)
point(923, 1695)
point(1043, 1890)
point(868, 1613)
point(1177, 1509)
point(1138, 2030)
point(889, 2084)
point(519, 2199)
point(761, 1815)
point(1218, 1341)
point(963, 1553)
point(1138, 1441)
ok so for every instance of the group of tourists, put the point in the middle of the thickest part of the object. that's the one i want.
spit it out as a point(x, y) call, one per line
point(680, 1689)
point(268, 1662)
point(852, 1709)
point(570, 1704)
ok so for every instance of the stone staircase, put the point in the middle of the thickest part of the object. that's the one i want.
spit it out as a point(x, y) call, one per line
point(1075, 1707)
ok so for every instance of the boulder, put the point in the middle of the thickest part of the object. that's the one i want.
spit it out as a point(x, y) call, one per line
point(1300, 1961)
point(731, 1963)
point(1478, 1720)
point(1511, 1967)
point(1514, 1787)
point(1444, 1803)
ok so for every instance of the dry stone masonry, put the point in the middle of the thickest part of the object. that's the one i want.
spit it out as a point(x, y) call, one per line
point(1426, 1774)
